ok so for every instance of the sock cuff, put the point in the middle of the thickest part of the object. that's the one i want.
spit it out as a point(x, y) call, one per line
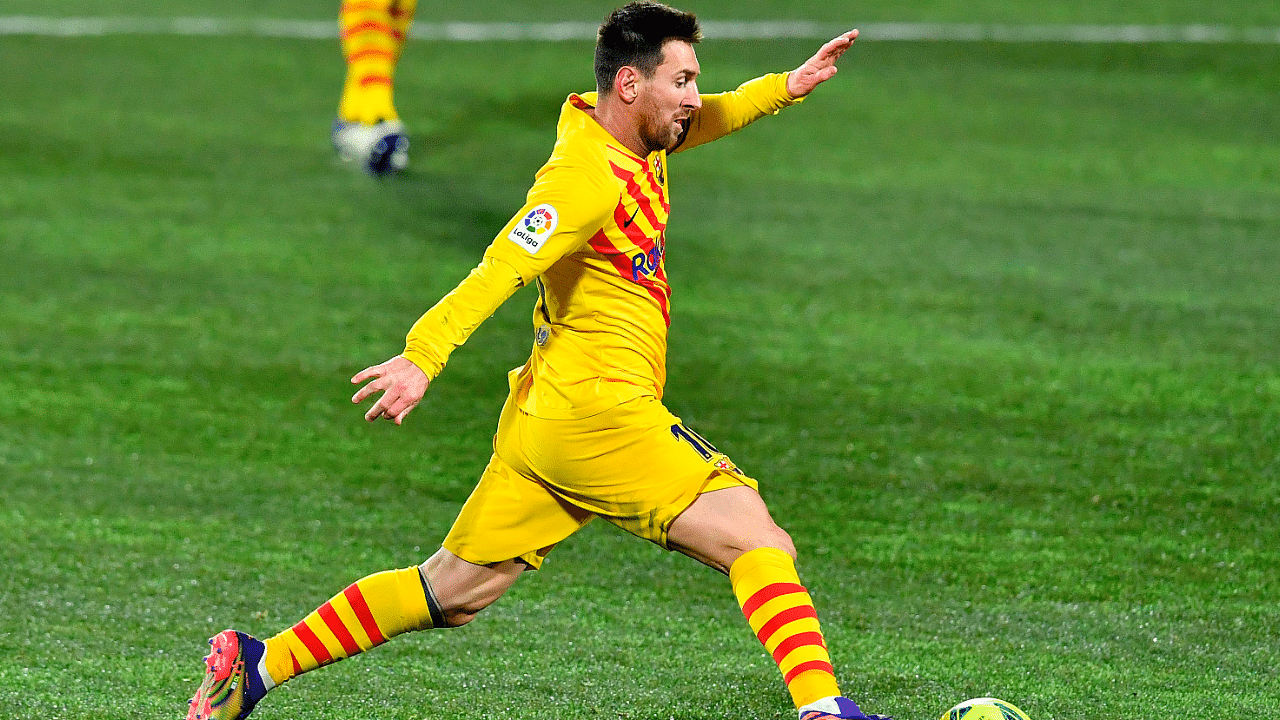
point(433, 603)
point(261, 674)
point(415, 611)
point(766, 558)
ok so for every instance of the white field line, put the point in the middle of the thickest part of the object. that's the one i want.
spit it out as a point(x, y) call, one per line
point(713, 29)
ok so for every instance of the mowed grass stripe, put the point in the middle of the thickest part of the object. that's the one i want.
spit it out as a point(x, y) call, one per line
point(714, 30)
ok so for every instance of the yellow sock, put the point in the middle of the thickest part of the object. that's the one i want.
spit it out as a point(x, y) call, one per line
point(402, 12)
point(781, 613)
point(369, 612)
point(373, 34)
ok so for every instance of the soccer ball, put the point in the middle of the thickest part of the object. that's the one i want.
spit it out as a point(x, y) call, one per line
point(984, 709)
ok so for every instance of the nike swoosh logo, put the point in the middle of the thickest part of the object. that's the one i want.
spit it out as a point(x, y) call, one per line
point(631, 219)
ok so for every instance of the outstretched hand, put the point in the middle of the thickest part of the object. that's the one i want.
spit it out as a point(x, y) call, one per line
point(401, 383)
point(821, 67)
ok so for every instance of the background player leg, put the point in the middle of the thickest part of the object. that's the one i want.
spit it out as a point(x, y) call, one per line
point(445, 591)
point(368, 130)
point(731, 530)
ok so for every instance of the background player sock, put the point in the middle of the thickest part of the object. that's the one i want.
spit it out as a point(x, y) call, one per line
point(373, 33)
point(368, 613)
point(781, 613)
point(401, 20)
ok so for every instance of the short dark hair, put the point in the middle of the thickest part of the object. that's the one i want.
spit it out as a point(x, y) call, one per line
point(634, 35)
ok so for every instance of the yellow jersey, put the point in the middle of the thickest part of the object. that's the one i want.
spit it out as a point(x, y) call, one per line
point(592, 235)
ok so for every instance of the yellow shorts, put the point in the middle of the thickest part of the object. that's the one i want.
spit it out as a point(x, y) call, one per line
point(635, 465)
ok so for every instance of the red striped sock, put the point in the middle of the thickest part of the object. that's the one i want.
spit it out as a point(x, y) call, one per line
point(402, 12)
point(373, 33)
point(368, 613)
point(781, 613)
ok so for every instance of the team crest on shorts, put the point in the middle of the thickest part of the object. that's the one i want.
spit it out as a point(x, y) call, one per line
point(532, 230)
point(727, 465)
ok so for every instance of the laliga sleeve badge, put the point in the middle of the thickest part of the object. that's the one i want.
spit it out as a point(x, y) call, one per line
point(532, 230)
point(541, 335)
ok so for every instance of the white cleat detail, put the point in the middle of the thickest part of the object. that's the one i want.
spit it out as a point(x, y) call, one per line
point(380, 149)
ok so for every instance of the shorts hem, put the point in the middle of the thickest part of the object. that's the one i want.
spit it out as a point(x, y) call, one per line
point(532, 558)
point(739, 481)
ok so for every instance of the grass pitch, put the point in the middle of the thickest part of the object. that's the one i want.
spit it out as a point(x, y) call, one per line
point(994, 325)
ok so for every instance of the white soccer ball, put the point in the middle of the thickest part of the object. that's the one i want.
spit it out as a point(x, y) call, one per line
point(984, 709)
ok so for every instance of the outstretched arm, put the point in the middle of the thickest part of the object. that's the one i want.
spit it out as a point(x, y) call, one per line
point(724, 113)
point(819, 68)
point(403, 379)
point(563, 210)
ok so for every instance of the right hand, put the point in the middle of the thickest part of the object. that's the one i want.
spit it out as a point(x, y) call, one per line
point(819, 68)
point(401, 383)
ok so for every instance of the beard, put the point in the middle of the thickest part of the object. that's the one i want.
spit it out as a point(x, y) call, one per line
point(657, 131)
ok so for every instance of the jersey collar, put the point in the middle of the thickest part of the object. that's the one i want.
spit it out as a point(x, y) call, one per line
point(574, 119)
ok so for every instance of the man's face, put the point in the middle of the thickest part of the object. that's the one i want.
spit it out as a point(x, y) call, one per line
point(668, 98)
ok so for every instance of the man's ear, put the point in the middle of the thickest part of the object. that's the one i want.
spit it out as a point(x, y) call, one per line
point(627, 84)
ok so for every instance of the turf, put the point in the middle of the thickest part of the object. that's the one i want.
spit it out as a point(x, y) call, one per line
point(1236, 13)
point(994, 325)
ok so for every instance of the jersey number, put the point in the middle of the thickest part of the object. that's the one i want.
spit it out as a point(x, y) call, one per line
point(699, 443)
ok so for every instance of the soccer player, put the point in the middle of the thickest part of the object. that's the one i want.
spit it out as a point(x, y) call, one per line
point(368, 131)
point(584, 432)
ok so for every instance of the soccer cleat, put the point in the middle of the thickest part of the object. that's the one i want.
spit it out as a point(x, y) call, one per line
point(380, 149)
point(233, 675)
point(836, 708)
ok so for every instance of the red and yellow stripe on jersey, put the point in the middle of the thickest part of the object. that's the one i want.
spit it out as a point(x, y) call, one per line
point(592, 233)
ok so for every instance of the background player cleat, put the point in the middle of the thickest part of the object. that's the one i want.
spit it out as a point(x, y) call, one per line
point(379, 149)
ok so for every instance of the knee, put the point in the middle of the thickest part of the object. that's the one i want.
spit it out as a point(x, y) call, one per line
point(458, 617)
point(460, 604)
point(771, 536)
point(463, 608)
point(776, 537)
point(782, 541)
point(462, 589)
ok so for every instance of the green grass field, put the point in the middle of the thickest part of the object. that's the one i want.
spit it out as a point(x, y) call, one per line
point(995, 325)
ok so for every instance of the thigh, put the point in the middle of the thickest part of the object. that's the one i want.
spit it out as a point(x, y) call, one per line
point(511, 516)
point(720, 526)
point(636, 465)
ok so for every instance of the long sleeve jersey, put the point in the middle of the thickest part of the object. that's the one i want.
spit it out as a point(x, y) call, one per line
point(592, 236)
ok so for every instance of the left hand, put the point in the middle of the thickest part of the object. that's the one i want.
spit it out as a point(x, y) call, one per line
point(819, 68)
point(401, 383)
